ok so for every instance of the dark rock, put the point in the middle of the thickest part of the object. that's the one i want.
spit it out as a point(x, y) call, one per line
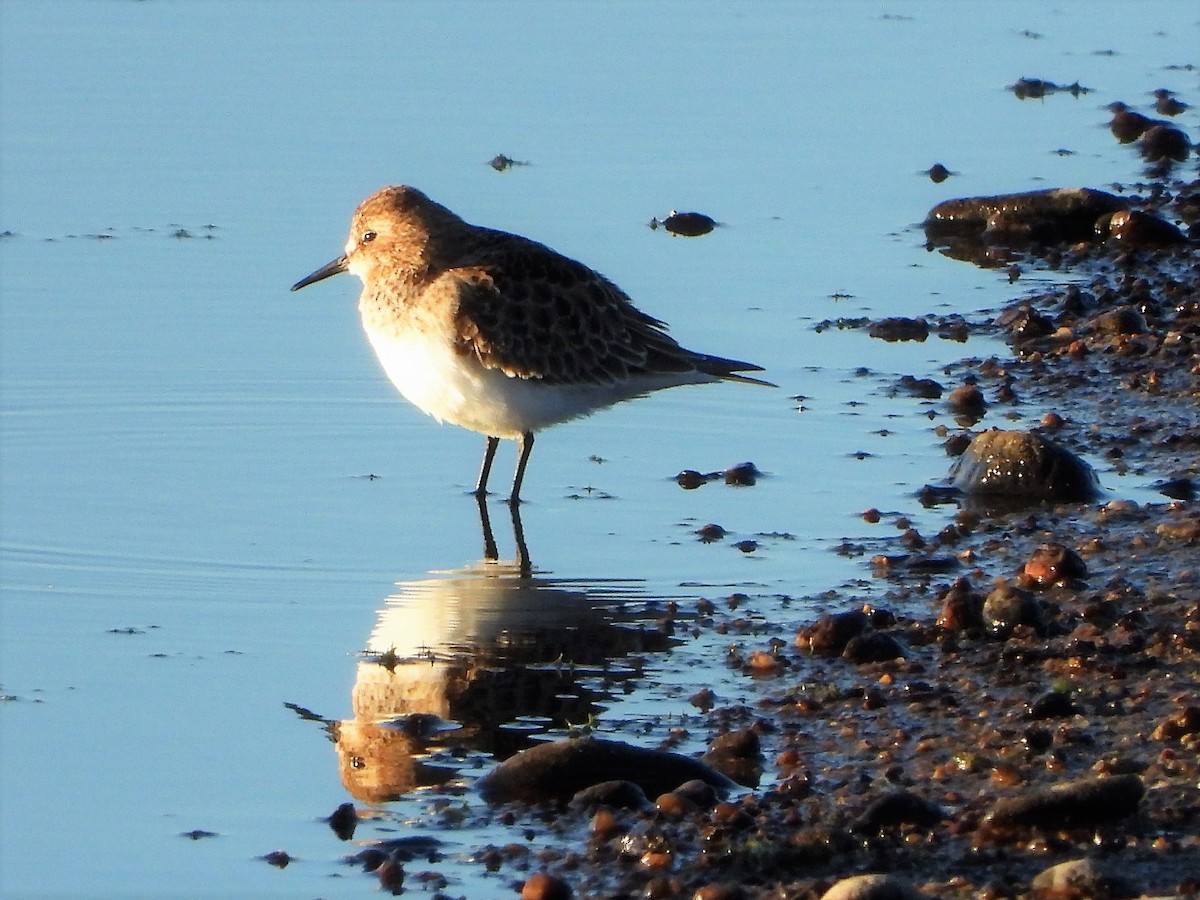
point(1128, 125)
point(873, 646)
point(899, 329)
point(898, 808)
point(1177, 488)
point(619, 794)
point(1167, 105)
point(1132, 228)
point(938, 173)
point(742, 475)
point(1085, 802)
point(1020, 464)
point(556, 771)
point(1024, 323)
point(925, 388)
point(1122, 320)
point(701, 793)
point(1051, 705)
point(685, 224)
point(737, 754)
point(343, 821)
point(962, 607)
point(829, 635)
point(1163, 141)
point(1049, 216)
point(1007, 606)
point(690, 479)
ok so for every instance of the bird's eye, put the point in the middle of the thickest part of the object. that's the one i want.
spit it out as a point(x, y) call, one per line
point(367, 237)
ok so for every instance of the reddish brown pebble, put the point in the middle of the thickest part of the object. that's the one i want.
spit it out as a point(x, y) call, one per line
point(605, 824)
point(541, 886)
point(1052, 421)
point(1052, 563)
point(675, 805)
point(872, 516)
point(655, 860)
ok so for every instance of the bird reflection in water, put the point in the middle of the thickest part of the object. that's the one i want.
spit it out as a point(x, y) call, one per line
point(481, 659)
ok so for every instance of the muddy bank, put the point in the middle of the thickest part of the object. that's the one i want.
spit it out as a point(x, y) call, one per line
point(1031, 723)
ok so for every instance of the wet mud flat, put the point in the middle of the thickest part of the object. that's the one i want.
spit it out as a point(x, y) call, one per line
point(1021, 715)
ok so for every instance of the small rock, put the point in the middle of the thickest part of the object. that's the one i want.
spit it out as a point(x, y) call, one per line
point(872, 887)
point(1127, 124)
point(925, 388)
point(1140, 229)
point(1163, 141)
point(277, 858)
point(829, 635)
point(1008, 606)
point(872, 646)
point(344, 821)
point(742, 475)
point(557, 770)
point(899, 329)
point(962, 607)
point(1182, 724)
point(967, 400)
point(898, 808)
point(738, 755)
point(1081, 878)
point(541, 886)
point(938, 173)
point(1122, 320)
point(1051, 705)
point(618, 793)
point(685, 224)
point(1167, 105)
point(1053, 563)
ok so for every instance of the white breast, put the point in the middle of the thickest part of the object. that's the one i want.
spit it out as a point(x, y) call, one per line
point(455, 388)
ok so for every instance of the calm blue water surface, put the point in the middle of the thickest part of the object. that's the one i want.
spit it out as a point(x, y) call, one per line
point(190, 539)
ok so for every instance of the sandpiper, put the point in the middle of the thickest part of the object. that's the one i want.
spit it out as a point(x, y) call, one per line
point(500, 334)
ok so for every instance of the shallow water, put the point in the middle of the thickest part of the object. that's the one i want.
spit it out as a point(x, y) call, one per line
point(212, 500)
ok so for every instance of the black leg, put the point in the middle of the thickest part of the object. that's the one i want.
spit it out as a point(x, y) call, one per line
point(489, 453)
point(524, 447)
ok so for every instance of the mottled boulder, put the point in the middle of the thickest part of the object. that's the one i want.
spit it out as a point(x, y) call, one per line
point(556, 771)
point(1022, 465)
